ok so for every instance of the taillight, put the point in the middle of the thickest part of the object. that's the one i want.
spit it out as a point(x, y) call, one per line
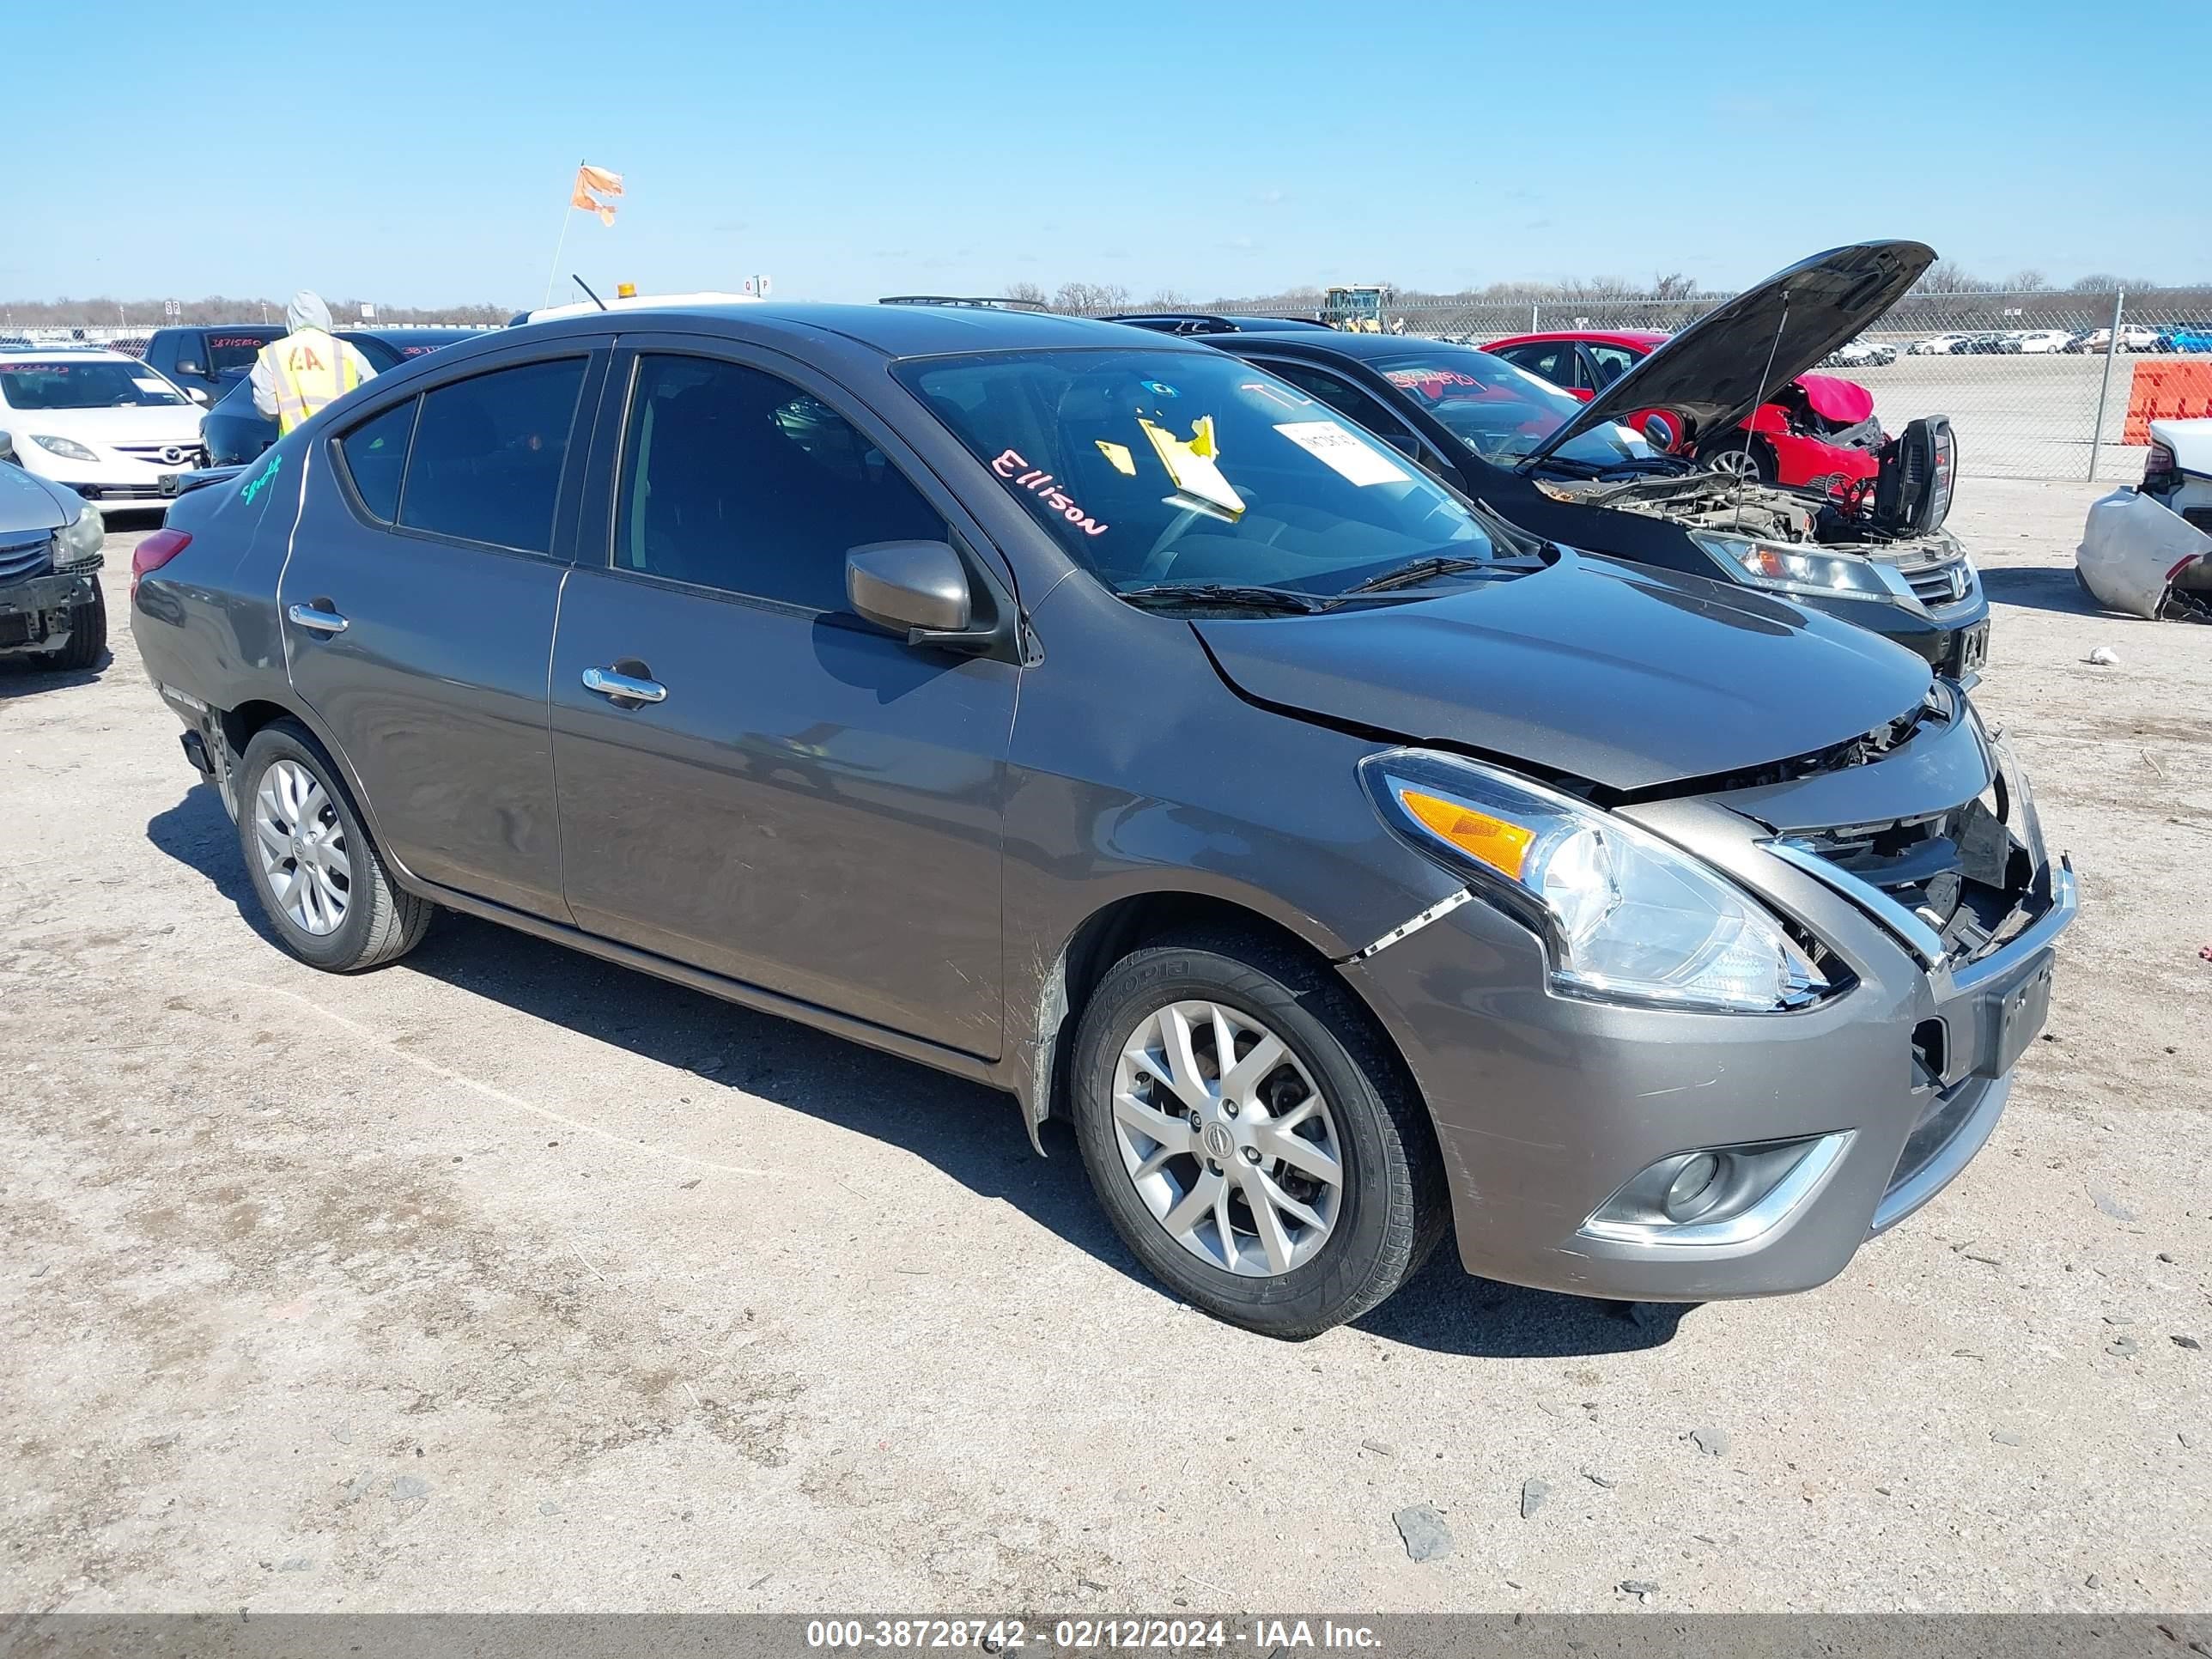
point(156, 550)
point(2159, 473)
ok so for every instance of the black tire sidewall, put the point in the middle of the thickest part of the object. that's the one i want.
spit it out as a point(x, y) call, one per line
point(343, 946)
point(1342, 1275)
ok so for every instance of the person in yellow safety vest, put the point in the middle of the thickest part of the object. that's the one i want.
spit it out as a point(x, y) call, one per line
point(295, 377)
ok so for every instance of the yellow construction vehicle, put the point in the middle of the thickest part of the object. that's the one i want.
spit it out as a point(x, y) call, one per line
point(1355, 308)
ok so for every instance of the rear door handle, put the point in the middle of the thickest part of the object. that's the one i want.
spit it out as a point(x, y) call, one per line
point(317, 615)
point(624, 687)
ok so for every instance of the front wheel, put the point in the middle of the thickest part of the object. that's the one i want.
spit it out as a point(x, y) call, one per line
point(1252, 1137)
point(88, 639)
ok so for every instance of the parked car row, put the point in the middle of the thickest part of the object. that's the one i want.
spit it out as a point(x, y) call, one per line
point(1270, 749)
point(2134, 337)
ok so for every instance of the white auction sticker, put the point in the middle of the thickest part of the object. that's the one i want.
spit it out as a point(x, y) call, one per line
point(1336, 448)
point(146, 383)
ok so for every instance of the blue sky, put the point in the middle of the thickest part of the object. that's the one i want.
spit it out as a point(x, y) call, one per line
point(415, 153)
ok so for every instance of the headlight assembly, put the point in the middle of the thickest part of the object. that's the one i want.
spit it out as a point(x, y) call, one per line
point(78, 542)
point(70, 448)
point(1785, 568)
point(1625, 916)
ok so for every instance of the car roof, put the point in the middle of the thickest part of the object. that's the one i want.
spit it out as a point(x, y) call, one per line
point(1644, 337)
point(1335, 342)
point(99, 353)
point(897, 330)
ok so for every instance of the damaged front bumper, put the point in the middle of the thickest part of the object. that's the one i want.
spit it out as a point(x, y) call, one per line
point(1566, 1124)
point(38, 614)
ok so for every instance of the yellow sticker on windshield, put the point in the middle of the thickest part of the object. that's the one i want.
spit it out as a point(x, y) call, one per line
point(1191, 462)
point(1124, 462)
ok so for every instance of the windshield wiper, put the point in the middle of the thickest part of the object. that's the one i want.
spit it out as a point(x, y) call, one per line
point(1163, 595)
point(1418, 571)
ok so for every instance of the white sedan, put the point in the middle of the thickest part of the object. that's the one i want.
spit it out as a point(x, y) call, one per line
point(102, 423)
point(2044, 339)
point(1935, 345)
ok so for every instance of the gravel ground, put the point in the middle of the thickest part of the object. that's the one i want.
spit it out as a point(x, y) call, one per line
point(503, 1279)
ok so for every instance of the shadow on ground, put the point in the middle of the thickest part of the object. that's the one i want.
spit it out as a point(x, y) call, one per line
point(971, 1132)
point(26, 677)
point(2041, 588)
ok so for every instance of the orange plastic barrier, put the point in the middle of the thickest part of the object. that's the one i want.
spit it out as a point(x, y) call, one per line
point(2165, 391)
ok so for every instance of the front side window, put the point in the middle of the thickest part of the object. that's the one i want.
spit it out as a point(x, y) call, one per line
point(733, 478)
point(375, 455)
point(87, 383)
point(1501, 412)
point(485, 464)
point(1153, 467)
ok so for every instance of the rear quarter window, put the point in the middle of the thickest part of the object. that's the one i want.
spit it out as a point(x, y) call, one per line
point(374, 456)
point(486, 459)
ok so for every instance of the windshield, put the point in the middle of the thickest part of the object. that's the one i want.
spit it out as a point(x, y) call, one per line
point(1500, 412)
point(1158, 467)
point(93, 384)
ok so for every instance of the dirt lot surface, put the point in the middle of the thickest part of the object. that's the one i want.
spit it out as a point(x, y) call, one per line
point(501, 1279)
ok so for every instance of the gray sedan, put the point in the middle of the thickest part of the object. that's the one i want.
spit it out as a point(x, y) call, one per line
point(1102, 718)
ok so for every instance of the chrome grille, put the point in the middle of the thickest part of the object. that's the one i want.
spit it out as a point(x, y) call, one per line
point(162, 454)
point(21, 556)
point(1938, 584)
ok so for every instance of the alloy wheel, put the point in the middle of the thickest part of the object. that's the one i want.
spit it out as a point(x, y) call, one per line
point(302, 843)
point(1227, 1139)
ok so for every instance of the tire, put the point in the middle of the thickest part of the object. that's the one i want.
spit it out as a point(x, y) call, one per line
point(88, 639)
point(1387, 1211)
point(371, 921)
point(1755, 463)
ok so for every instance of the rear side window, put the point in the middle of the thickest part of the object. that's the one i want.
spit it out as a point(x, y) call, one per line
point(375, 456)
point(485, 464)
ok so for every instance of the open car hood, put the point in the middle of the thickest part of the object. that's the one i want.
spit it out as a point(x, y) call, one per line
point(1714, 372)
point(1624, 676)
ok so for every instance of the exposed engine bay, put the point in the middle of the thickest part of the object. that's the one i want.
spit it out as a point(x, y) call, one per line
point(1896, 516)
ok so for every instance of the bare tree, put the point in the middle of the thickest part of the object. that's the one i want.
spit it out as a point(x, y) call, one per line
point(1088, 299)
point(1027, 292)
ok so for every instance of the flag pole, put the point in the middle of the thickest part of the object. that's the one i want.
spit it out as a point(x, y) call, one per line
point(566, 209)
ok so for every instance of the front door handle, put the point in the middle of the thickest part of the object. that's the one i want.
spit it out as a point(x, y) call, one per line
point(318, 615)
point(624, 687)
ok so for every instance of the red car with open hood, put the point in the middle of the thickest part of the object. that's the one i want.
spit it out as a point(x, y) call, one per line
point(1816, 430)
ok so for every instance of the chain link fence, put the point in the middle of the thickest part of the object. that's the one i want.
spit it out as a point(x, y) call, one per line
point(2037, 385)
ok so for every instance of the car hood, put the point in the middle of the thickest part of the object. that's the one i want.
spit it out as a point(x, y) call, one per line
point(1716, 370)
point(1623, 676)
point(29, 503)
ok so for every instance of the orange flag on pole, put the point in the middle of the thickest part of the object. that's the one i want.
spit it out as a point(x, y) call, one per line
point(590, 179)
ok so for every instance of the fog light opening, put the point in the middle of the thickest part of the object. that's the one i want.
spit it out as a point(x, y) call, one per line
point(1697, 1186)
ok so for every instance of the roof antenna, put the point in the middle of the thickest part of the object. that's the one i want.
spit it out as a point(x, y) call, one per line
point(1773, 347)
point(602, 304)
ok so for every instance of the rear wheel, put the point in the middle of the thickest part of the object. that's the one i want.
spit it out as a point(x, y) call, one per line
point(321, 882)
point(1251, 1136)
point(88, 639)
point(1752, 463)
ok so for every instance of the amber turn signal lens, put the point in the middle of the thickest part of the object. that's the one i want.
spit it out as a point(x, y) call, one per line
point(1503, 846)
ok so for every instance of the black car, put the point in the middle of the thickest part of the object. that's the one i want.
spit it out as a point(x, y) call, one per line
point(1207, 322)
point(210, 361)
point(235, 431)
point(1570, 472)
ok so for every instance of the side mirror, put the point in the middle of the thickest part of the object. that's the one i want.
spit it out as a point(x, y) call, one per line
point(915, 588)
point(1581, 394)
point(1659, 431)
point(7, 445)
point(196, 395)
point(1405, 443)
point(190, 365)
